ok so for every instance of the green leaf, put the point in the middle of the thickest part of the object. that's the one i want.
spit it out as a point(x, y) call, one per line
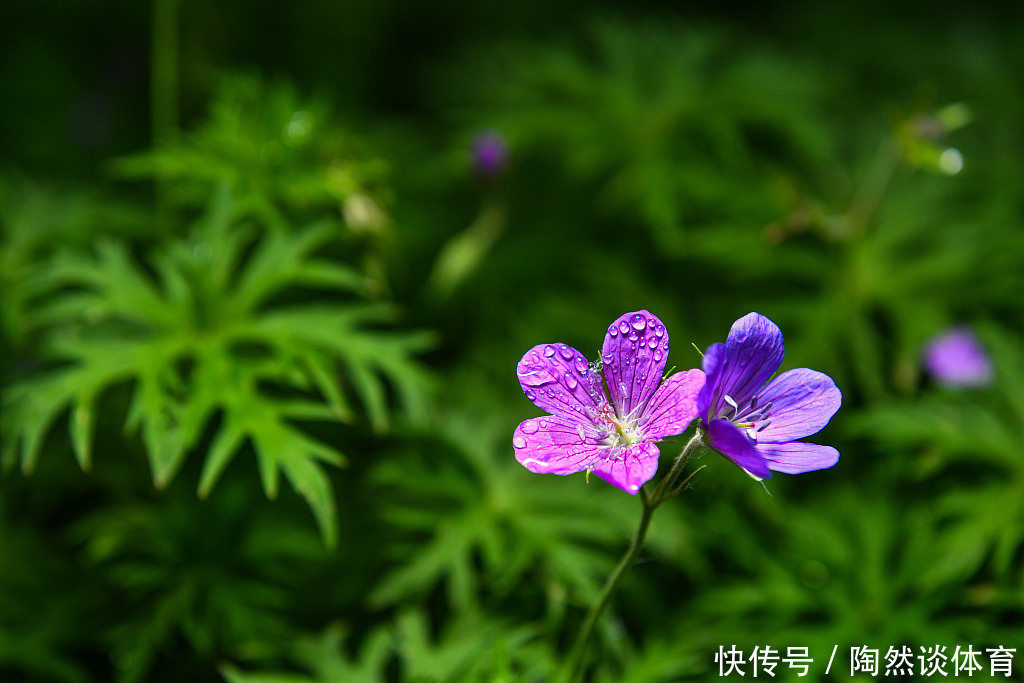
point(196, 347)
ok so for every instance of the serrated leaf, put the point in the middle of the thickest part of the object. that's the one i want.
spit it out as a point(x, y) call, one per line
point(319, 369)
point(194, 344)
point(282, 447)
point(371, 392)
point(228, 440)
point(82, 427)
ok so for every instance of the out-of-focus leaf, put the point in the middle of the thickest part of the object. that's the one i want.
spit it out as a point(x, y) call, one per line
point(204, 345)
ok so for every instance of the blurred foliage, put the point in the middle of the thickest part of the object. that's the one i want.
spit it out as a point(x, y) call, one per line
point(308, 279)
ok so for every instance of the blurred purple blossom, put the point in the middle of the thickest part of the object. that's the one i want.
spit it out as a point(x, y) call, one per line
point(753, 421)
point(956, 359)
point(613, 433)
point(490, 155)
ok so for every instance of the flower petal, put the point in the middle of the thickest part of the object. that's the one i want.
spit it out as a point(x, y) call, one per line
point(633, 467)
point(552, 445)
point(753, 352)
point(673, 406)
point(803, 401)
point(798, 457)
point(557, 379)
point(633, 358)
point(709, 400)
point(728, 440)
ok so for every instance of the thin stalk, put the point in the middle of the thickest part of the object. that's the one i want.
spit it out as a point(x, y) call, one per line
point(665, 488)
point(574, 662)
point(871, 192)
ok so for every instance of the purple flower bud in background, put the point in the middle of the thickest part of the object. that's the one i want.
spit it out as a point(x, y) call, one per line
point(490, 155)
point(956, 359)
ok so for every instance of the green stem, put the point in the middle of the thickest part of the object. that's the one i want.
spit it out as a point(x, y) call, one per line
point(869, 195)
point(574, 662)
point(665, 488)
point(575, 659)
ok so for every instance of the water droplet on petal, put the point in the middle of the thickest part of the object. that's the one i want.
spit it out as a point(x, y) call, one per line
point(638, 322)
point(613, 331)
point(581, 365)
point(565, 351)
point(623, 327)
point(633, 336)
point(607, 358)
point(570, 381)
point(530, 427)
point(518, 441)
point(549, 351)
point(530, 395)
point(653, 343)
point(657, 355)
point(534, 377)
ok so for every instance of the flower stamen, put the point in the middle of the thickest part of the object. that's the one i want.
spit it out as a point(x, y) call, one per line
point(732, 402)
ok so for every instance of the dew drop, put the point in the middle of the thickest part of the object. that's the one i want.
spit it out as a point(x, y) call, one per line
point(623, 327)
point(638, 322)
point(530, 427)
point(565, 351)
point(657, 355)
point(653, 343)
point(518, 441)
point(633, 336)
point(581, 365)
point(570, 381)
point(530, 395)
point(534, 378)
point(613, 331)
point(549, 351)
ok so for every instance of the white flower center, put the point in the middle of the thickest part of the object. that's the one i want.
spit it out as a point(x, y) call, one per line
point(615, 432)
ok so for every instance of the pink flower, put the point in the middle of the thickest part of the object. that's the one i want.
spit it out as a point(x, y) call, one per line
point(611, 433)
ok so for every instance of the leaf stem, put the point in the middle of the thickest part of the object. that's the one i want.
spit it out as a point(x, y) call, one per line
point(574, 661)
point(665, 487)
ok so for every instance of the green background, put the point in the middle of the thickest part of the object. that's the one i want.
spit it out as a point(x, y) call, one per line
point(260, 324)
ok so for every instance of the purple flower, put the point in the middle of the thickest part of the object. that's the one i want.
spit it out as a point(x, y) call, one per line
point(490, 155)
point(753, 422)
point(611, 434)
point(956, 359)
